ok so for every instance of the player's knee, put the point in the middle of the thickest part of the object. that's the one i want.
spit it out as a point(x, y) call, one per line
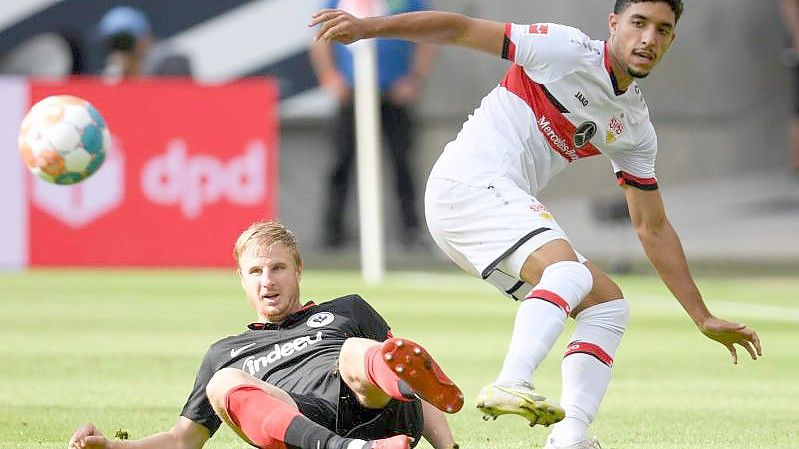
point(574, 271)
point(539, 260)
point(222, 381)
point(352, 362)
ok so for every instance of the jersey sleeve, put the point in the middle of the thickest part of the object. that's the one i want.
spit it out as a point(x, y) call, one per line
point(198, 407)
point(636, 167)
point(370, 324)
point(547, 50)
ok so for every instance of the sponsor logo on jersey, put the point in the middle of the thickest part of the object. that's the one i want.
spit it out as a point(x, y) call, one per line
point(584, 133)
point(555, 140)
point(539, 28)
point(615, 128)
point(320, 319)
point(254, 365)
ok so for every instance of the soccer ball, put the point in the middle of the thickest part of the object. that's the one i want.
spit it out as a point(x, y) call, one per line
point(63, 139)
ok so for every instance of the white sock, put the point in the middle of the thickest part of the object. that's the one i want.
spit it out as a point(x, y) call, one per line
point(585, 369)
point(541, 317)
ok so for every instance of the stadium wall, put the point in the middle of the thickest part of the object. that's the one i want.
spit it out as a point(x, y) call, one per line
point(720, 99)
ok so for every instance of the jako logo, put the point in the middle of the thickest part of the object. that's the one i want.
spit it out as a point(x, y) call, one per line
point(195, 181)
point(253, 364)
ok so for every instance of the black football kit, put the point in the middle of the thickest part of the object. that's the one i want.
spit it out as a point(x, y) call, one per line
point(300, 356)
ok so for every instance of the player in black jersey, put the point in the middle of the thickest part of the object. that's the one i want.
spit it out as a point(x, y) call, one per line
point(315, 376)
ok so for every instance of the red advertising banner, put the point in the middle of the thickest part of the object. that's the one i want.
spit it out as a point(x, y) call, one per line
point(190, 167)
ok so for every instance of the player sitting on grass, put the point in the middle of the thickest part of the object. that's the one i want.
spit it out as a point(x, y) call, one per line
point(311, 376)
point(565, 97)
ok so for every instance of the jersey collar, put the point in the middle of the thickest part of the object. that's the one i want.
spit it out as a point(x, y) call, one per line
point(609, 68)
point(292, 318)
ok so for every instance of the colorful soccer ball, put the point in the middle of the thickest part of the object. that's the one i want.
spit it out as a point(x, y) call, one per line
point(63, 139)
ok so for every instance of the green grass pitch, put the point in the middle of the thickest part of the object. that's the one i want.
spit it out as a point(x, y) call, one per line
point(120, 348)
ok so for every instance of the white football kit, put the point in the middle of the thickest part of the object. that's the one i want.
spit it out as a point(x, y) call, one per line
point(558, 102)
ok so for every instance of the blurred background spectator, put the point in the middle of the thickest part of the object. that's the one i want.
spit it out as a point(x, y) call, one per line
point(790, 15)
point(402, 68)
point(128, 40)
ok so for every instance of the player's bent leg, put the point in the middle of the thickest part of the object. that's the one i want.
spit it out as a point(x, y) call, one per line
point(586, 366)
point(226, 380)
point(560, 286)
point(352, 368)
point(399, 369)
point(266, 417)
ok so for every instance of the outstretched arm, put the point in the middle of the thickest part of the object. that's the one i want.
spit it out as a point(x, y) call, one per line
point(186, 434)
point(434, 27)
point(664, 250)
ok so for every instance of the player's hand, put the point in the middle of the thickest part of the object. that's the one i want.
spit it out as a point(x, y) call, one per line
point(339, 26)
point(730, 334)
point(88, 437)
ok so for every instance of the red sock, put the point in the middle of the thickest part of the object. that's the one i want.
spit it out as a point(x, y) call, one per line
point(261, 417)
point(381, 374)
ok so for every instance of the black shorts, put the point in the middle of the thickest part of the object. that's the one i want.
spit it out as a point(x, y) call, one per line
point(348, 418)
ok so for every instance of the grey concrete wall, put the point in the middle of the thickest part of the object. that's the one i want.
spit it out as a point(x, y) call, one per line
point(719, 100)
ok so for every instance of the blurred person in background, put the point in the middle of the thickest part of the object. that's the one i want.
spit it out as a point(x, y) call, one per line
point(130, 47)
point(402, 69)
point(565, 97)
point(790, 15)
point(305, 375)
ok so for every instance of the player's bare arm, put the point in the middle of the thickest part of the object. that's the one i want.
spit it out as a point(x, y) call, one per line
point(663, 248)
point(436, 27)
point(436, 430)
point(186, 434)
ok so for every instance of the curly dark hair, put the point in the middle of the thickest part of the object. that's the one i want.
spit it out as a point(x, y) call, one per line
point(676, 6)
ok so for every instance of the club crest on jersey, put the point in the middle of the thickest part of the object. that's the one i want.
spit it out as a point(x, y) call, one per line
point(320, 319)
point(615, 128)
point(584, 133)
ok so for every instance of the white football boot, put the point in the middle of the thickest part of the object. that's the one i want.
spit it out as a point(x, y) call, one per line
point(494, 400)
point(590, 443)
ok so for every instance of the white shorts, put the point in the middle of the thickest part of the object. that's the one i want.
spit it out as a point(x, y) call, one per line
point(489, 231)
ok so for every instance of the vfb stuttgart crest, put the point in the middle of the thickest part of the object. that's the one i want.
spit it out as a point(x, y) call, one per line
point(584, 133)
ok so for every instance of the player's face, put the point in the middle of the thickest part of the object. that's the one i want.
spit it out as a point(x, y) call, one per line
point(271, 280)
point(640, 36)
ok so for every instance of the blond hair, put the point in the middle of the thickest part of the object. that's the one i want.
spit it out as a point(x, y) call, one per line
point(263, 234)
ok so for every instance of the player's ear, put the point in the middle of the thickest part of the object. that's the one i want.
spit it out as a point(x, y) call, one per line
point(613, 23)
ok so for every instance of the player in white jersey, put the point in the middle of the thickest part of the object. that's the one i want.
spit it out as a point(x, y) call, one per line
point(565, 97)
